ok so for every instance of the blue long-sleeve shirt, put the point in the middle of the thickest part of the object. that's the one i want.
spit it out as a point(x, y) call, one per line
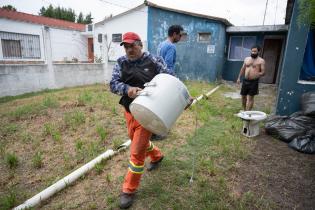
point(167, 50)
point(121, 88)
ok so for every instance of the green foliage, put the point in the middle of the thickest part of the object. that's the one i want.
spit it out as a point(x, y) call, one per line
point(65, 14)
point(8, 201)
point(79, 145)
point(80, 18)
point(58, 13)
point(99, 167)
point(51, 130)
point(85, 98)
point(25, 111)
point(9, 7)
point(88, 19)
point(306, 12)
point(50, 101)
point(74, 119)
point(9, 129)
point(37, 160)
point(101, 132)
point(11, 160)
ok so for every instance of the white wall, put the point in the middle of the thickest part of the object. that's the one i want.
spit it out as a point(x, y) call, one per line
point(22, 28)
point(67, 44)
point(135, 21)
point(64, 43)
point(18, 79)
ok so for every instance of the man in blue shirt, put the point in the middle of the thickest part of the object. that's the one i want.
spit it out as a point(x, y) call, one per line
point(167, 49)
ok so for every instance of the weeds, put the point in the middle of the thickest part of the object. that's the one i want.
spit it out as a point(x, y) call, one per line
point(26, 137)
point(79, 145)
point(117, 143)
point(50, 102)
point(26, 111)
point(11, 160)
point(37, 160)
point(85, 98)
point(8, 201)
point(9, 129)
point(99, 167)
point(51, 130)
point(74, 119)
point(101, 132)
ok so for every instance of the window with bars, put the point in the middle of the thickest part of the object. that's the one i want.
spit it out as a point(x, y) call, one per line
point(240, 47)
point(19, 46)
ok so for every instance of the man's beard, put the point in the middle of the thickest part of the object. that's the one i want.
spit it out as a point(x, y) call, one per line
point(254, 55)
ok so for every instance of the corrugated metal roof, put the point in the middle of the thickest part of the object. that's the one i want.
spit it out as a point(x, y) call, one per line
point(24, 17)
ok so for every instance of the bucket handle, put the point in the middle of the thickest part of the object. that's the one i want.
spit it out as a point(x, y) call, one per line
point(143, 93)
point(150, 84)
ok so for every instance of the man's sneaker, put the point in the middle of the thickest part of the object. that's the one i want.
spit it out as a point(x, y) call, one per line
point(126, 200)
point(156, 137)
point(154, 165)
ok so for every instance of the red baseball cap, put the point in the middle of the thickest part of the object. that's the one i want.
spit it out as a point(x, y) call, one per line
point(130, 37)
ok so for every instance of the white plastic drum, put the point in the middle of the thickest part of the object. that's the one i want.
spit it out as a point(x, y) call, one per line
point(160, 103)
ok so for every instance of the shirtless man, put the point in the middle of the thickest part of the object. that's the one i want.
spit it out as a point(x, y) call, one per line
point(252, 69)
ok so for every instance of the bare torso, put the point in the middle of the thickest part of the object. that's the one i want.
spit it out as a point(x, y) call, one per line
point(253, 67)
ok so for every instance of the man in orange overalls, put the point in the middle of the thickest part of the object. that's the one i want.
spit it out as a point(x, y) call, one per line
point(128, 77)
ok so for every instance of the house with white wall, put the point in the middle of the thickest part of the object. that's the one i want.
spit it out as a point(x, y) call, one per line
point(108, 33)
point(25, 37)
point(200, 53)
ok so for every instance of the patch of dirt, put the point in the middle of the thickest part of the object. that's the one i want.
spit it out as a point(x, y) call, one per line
point(277, 173)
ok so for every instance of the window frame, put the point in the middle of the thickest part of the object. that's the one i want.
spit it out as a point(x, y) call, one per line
point(30, 46)
point(198, 37)
point(115, 41)
point(229, 51)
point(4, 51)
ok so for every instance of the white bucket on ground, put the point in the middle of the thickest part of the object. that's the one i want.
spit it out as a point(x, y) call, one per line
point(160, 103)
point(251, 121)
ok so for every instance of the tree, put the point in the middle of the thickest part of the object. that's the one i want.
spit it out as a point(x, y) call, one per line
point(58, 13)
point(80, 18)
point(42, 11)
point(65, 14)
point(306, 12)
point(88, 19)
point(9, 7)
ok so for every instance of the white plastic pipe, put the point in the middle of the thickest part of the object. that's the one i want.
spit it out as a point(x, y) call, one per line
point(207, 94)
point(48, 192)
point(61, 184)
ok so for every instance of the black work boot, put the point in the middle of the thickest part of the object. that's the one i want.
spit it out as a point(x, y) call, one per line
point(126, 200)
point(156, 137)
point(154, 165)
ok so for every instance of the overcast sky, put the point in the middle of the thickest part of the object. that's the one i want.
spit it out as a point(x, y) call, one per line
point(238, 12)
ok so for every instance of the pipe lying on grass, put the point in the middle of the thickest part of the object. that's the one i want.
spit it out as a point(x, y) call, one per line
point(205, 95)
point(70, 178)
point(56, 187)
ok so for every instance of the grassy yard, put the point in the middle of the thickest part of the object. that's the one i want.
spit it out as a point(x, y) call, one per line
point(45, 136)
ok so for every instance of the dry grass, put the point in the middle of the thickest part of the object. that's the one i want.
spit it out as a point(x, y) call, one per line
point(54, 132)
